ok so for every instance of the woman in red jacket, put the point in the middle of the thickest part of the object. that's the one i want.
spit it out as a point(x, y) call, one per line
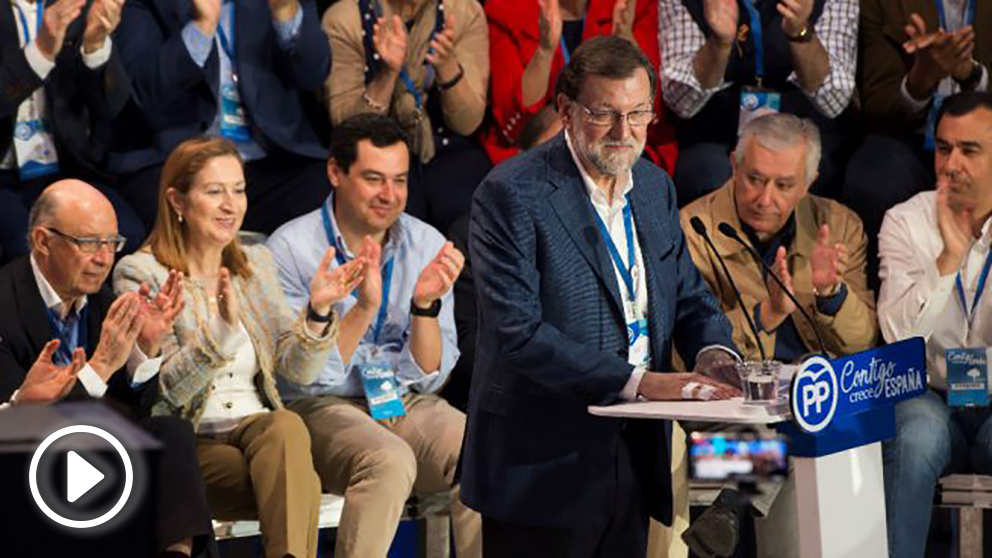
point(530, 42)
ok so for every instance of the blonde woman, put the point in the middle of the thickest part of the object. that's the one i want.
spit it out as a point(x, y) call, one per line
point(234, 335)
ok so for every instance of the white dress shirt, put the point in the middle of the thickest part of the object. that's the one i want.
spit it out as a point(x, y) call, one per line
point(915, 300)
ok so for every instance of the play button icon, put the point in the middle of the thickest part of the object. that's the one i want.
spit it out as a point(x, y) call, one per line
point(80, 477)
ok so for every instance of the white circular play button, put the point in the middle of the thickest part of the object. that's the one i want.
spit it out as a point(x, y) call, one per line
point(81, 477)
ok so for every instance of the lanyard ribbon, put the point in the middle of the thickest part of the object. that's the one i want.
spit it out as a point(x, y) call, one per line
point(626, 271)
point(756, 38)
point(24, 20)
point(228, 43)
point(969, 14)
point(387, 273)
point(979, 289)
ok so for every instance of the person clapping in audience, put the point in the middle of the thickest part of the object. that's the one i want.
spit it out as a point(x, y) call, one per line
point(426, 64)
point(61, 73)
point(64, 336)
point(235, 334)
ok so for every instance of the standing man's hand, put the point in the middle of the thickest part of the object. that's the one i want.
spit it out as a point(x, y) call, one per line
point(55, 22)
point(937, 55)
point(206, 15)
point(795, 15)
point(101, 21)
point(283, 10)
point(721, 17)
point(828, 263)
point(47, 383)
point(681, 386)
point(389, 38)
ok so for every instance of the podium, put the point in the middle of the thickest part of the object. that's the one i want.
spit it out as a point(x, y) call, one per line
point(838, 413)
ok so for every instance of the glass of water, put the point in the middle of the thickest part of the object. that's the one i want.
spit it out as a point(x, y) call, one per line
point(759, 381)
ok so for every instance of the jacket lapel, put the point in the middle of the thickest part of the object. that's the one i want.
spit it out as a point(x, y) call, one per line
point(32, 307)
point(655, 241)
point(571, 204)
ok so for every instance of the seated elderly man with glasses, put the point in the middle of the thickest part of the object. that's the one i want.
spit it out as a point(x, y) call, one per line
point(62, 326)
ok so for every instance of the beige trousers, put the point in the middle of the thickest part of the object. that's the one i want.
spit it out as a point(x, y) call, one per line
point(376, 465)
point(262, 469)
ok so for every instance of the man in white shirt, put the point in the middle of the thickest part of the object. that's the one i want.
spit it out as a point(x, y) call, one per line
point(58, 293)
point(934, 253)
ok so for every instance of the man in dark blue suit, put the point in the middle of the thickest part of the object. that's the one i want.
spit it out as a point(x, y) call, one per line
point(239, 69)
point(583, 282)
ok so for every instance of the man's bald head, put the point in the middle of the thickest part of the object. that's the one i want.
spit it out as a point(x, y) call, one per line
point(64, 223)
point(66, 203)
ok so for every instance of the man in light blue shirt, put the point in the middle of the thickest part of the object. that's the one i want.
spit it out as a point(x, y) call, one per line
point(378, 430)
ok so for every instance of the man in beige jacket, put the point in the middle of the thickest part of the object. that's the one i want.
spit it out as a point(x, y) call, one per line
point(817, 248)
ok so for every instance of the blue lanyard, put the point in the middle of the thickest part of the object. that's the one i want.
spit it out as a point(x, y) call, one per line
point(969, 14)
point(626, 271)
point(418, 98)
point(756, 38)
point(225, 43)
point(387, 274)
point(565, 54)
point(979, 289)
point(24, 20)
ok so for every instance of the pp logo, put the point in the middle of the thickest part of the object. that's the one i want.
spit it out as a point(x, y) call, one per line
point(814, 395)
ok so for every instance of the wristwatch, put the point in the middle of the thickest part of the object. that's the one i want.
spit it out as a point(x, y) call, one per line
point(971, 82)
point(431, 311)
point(313, 316)
point(805, 35)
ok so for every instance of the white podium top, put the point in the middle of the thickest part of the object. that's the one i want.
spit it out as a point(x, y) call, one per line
point(730, 410)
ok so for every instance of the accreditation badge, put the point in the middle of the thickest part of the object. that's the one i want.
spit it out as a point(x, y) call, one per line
point(382, 391)
point(233, 120)
point(755, 102)
point(34, 148)
point(967, 377)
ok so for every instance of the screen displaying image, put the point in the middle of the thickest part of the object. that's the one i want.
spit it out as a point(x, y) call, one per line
point(720, 456)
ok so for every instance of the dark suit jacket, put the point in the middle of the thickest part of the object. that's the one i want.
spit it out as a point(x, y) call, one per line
point(883, 64)
point(179, 100)
point(553, 340)
point(25, 329)
point(77, 96)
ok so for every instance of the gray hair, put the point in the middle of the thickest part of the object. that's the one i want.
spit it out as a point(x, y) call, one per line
point(779, 131)
point(42, 214)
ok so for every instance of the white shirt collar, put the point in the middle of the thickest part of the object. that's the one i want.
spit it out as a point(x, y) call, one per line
point(52, 299)
point(595, 192)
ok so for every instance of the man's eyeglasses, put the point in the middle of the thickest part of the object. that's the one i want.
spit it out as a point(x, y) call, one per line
point(638, 118)
point(92, 245)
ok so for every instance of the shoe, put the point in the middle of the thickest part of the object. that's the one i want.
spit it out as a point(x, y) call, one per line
point(714, 534)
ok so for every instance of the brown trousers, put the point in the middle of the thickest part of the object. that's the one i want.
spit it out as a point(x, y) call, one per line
point(377, 465)
point(262, 469)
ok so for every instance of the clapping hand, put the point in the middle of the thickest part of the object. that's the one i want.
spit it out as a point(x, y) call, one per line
point(623, 19)
point(45, 382)
point(330, 286)
point(103, 18)
point(389, 38)
point(939, 54)
point(56, 21)
point(441, 53)
point(160, 312)
point(120, 330)
point(283, 10)
point(439, 276)
point(778, 306)
point(721, 16)
point(795, 15)
point(549, 24)
point(828, 263)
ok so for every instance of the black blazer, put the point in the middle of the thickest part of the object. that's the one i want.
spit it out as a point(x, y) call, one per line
point(24, 330)
point(78, 97)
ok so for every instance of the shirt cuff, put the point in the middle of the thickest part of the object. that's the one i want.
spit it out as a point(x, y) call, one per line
point(97, 59)
point(915, 104)
point(629, 391)
point(41, 65)
point(286, 32)
point(830, 305)
point(197, 44)
point(141, 368)
point(983, 83)
point(94, 384)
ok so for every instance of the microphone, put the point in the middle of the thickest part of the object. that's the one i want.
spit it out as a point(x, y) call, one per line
point(731, 232)
point(700, 228)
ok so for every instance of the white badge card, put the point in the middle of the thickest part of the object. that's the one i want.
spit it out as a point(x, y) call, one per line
point(757, 102)
point(233, 121)
point(967, 377)
point(381, 391)
point(34, 149)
